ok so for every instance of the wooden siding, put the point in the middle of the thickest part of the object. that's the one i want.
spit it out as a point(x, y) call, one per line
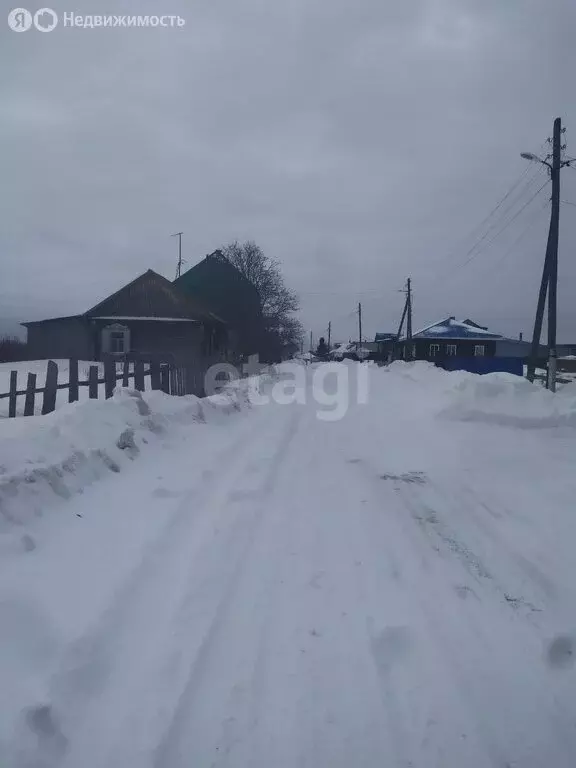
point(464, 348)
point(60, 339)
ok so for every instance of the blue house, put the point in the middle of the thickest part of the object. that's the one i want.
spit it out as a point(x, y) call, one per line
point(465, 345)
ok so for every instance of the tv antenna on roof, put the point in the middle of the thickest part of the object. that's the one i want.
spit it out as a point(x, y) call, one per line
point(179, 267)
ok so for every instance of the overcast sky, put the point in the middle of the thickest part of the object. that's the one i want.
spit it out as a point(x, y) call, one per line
point(357, 141)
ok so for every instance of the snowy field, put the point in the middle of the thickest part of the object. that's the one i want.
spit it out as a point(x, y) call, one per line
point(218, 583)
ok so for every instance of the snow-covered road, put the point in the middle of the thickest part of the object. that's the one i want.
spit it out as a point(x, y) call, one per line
point(388, 589)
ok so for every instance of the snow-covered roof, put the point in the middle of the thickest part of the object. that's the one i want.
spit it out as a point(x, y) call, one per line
point(151, 317)
point(451, 328)
point(342, 349)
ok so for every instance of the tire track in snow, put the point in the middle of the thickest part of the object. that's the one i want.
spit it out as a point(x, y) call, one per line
point(168, 753)
point(77, 693)
point(506, 691)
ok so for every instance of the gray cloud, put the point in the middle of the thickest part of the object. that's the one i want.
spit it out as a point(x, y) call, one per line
point(358, 142)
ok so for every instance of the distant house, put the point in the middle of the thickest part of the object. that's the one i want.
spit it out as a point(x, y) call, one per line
point(464, 344)
point(148, 317)
point(566, 350)
point(384, 343)
point(216, 283)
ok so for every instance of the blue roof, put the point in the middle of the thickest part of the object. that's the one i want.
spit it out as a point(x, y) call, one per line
point(450, 328)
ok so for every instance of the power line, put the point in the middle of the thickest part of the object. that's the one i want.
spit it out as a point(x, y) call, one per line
point(567, 202)
point(522, 235)
point(494, 210)
point(340, 293)
point(505, 227)
point(487, 218)
point(505, 212)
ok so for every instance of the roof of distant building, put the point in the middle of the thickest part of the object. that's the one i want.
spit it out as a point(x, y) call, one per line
point(450, 328)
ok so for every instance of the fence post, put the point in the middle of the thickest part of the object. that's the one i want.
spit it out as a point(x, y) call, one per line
point(13, 390)
point(109, 377)
point(30, 395)
point(50, 388)
point(139, 375)
point(126, 374)
point(93, 382)
point(73, 381)
point(165, 379)
point(155, 374)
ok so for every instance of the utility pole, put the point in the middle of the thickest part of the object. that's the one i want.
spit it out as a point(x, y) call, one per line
point(406, 315)
point(549, 281)
point(554, 232)
point(409, 309)
point(360, 323)
point(310, 341)
point(329, 333)
point(179, 267)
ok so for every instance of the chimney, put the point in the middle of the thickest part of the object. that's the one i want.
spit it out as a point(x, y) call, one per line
point(520, 336)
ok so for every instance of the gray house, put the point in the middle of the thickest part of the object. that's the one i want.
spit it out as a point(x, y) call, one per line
point(148, 317)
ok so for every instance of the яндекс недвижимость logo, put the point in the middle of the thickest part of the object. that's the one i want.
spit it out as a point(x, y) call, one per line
point(21, 20)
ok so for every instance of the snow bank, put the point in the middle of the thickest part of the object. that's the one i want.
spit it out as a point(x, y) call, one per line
point(48, 458)
point(502, 398)
point(494, 398)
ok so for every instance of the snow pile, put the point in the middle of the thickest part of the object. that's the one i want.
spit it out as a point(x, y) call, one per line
point(423, 375)
point(418, 370)
point(503, 398)
point(46, 458)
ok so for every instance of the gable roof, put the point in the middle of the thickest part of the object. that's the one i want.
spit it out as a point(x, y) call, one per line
point(450, 328)
point(151, 296)
point(218, 284)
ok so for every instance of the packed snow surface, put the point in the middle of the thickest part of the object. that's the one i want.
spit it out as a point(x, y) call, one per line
point(225, 583)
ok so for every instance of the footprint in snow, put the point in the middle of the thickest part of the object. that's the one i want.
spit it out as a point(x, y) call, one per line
point(164, 493)
point(414, 478)
point(560, 652)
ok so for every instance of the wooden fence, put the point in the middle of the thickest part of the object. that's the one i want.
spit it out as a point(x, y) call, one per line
point(138, 371)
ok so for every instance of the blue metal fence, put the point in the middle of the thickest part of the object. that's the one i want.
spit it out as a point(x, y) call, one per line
point(513, 365)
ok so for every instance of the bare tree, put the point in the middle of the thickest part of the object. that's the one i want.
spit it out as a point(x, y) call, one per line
point(278, 303)
point(12, 350)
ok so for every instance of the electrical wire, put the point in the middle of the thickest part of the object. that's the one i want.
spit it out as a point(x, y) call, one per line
point(522, 235)
point(504, 213)
point(505, 227)
point(494, 210)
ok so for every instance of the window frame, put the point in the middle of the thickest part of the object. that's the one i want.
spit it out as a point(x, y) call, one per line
point(113, 339)
point(452, 350)
point(478, 347)
point(115, 336)
point(434, 350)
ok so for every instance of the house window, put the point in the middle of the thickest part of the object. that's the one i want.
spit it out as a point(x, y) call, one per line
point(117, 343)
point(451, 350)
point(479, 350)
point(116, 340)
point(434, 349)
